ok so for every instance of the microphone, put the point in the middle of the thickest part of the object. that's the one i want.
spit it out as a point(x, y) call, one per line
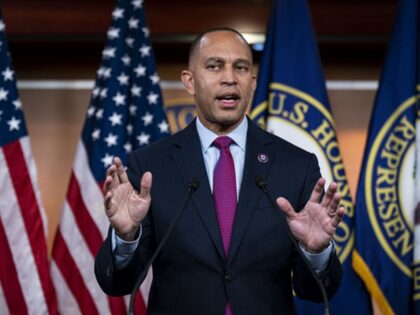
point(262, 184)
point(193, 185)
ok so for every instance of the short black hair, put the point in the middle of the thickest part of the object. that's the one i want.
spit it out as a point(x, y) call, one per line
point(197, 40)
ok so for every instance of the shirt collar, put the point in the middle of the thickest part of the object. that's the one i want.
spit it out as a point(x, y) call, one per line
point(238, 135)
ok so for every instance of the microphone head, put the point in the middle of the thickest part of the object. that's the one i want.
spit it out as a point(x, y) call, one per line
point(194, 184)
point(261, 182)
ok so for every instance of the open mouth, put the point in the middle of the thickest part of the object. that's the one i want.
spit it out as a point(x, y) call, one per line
point(228, 98)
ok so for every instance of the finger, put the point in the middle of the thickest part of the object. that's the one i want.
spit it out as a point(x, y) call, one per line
point(286, 207)
point(317, 191)
point(335, 202)
point(107, 200)
point(145, 185)
point(338, 217)
point(109, 178)
point(122, 174)
point(326, 200)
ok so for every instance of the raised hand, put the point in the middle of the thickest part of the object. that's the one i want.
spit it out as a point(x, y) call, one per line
point(315, 225)
point(125, 207)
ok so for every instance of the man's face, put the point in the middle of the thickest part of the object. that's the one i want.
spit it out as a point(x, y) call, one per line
point(221, 80)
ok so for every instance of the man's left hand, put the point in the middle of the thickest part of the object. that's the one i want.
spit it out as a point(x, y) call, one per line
point(315, 225)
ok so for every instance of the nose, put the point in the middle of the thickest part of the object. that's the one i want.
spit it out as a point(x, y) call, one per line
point(229, 76)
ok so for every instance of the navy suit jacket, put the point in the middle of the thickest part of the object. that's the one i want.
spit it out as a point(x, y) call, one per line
point(192, 274)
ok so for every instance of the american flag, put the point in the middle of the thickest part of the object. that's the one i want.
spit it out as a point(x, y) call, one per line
point(125, 113)
point(25, 283)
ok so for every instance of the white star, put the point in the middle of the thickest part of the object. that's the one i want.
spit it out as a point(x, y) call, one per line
point(95, 92)
point(111, 139)
point(96, 134)
point(118, 13)
point(123, 78)
point(108, 52)
point(133, 23)
point(154, 78)
point(119, 99)
point(1, 113)
point(18, 104)
point(136, 90)
point(113, 33)
point(137, 4)
point(140, 70)
point(126, 60)
point(115, 119)
point(8, 74)
point(91, 111)
point(130, 129)
point(3, 94)
point(1, 26)
point(146, 31)
point(129, 41)
point(103, 93)
point(100, 114)
point(128, 147)
point(104, 72)
point(152, 98)
point(147, 119)
point(107, 73)
point(100, 72)
point(145, 50)
point(132, 109)
point(107, 160)
point(13, 124)
point(143, 138)
point(164, 127)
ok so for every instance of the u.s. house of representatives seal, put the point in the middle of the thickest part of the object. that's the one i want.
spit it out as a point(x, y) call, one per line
point(304, 121)
point(390, 185)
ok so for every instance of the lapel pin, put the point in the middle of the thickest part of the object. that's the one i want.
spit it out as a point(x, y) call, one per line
point(262, 157)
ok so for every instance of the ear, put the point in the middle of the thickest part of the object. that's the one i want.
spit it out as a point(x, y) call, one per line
point(188, 81)
point(254, 82)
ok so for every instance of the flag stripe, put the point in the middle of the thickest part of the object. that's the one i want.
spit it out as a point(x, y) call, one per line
point(70, 272)
point(33, 221)
point(87, 226)
point(3, 303)
point(82, 257)
point(13, 221)
point(375, 290)
point(117, 305)
point(91, 192)
point(27, 153)
point(83, 215)
point(139, 304)
point(67, 304)
point(8, 276)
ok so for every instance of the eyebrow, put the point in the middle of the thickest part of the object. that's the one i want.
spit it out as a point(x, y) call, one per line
point(221, 60)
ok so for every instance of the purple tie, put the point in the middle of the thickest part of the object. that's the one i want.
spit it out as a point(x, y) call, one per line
point(224, 193)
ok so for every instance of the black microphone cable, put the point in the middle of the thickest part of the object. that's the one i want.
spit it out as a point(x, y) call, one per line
point(192, 187)
point(261, 182)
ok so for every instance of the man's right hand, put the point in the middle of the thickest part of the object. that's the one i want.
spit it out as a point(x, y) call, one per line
point(125, 207)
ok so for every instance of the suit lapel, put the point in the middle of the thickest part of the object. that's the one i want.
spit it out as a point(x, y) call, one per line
point(257, 150)
point(188, 157)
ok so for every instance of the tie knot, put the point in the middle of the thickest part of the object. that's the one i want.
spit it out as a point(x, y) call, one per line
point(222, 142)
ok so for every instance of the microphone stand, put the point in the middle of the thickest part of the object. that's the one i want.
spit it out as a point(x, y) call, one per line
point(192, 187)
point(263, 185)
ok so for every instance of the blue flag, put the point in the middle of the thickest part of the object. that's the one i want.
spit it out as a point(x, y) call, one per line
point(125, 113)
point(291, 101)
point(386, 192)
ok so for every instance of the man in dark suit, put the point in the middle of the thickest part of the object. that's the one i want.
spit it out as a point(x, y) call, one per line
point(229, 253)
